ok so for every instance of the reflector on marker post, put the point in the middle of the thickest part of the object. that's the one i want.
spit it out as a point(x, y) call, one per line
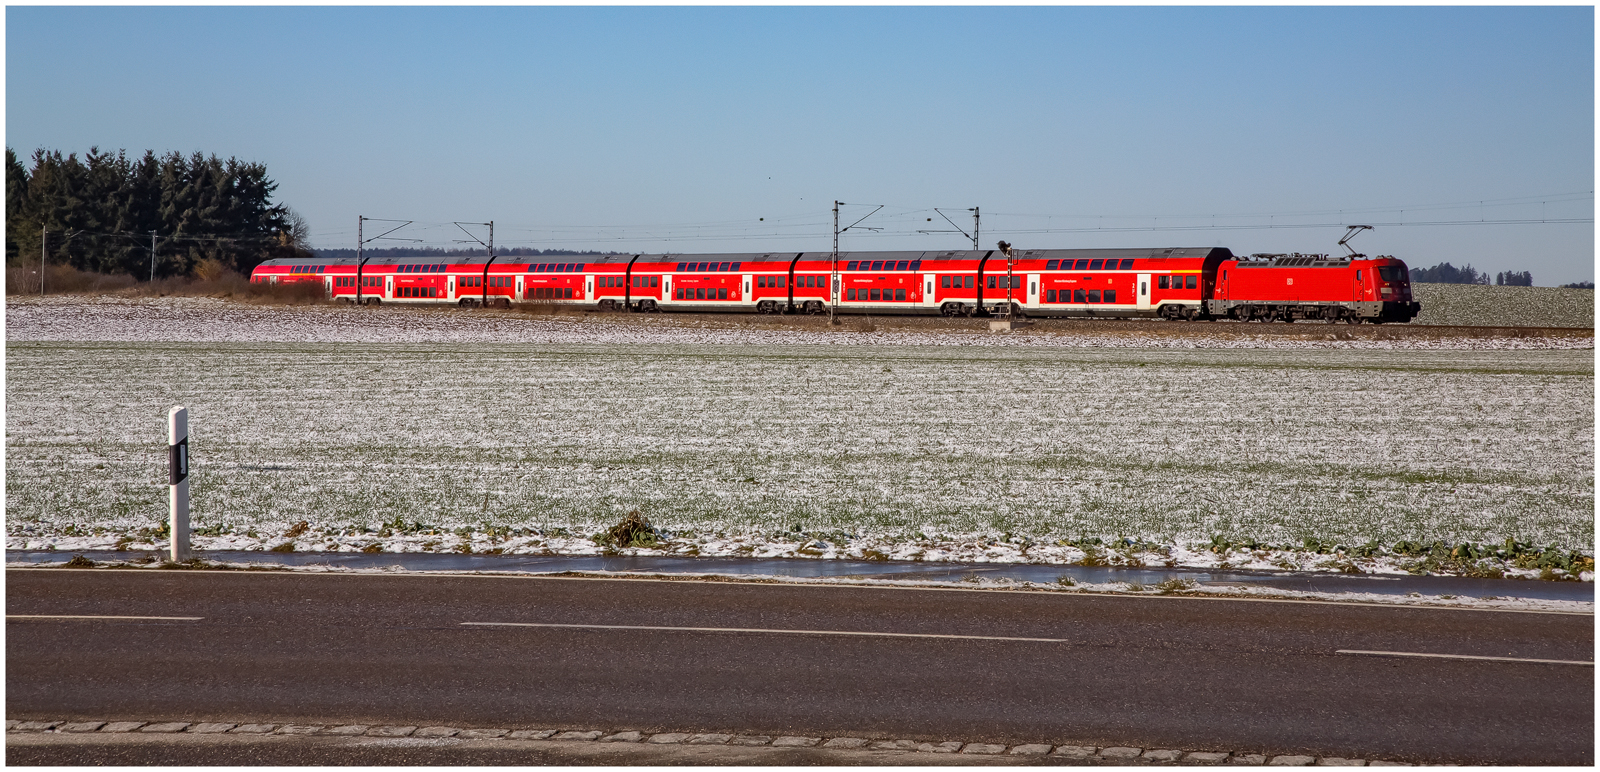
point(178, 481)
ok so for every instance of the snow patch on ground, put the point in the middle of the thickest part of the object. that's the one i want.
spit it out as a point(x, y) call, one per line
point(1179, 589)
point(912, 553)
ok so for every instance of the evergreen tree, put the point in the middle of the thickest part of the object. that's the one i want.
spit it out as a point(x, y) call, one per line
point(100, 210)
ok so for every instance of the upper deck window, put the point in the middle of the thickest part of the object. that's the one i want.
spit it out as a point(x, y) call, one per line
point(1127, 265)
point(1082, 265)
point(1094, 265)
point(1051, 266)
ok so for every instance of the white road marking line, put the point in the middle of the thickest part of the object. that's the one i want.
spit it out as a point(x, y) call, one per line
point(764, 630)
point(88, 616)
point(1464, 656)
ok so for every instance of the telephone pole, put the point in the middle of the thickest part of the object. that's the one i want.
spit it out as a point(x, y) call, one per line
point(831, 309)
point(360, 242)
point(44, 249)
point(837, 291)
point(488, 250)
point(973, 235)
point(152, 255)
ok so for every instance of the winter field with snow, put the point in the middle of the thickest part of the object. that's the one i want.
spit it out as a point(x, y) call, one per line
point(418, 431)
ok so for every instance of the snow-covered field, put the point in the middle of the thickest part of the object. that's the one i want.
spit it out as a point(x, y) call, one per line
point(453, 432)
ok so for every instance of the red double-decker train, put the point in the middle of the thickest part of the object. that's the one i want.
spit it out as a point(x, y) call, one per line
point(1181, 283)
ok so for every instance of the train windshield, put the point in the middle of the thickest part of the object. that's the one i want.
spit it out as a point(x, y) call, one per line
point(1392, 273)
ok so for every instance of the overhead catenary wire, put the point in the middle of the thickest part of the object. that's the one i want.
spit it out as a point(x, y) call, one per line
point(901, 222)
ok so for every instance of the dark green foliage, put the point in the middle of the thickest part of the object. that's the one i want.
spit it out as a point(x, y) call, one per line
point(633, 531)
point(99, 211)
point(1514, 279)
point(1445, 273)
point(1579, 285)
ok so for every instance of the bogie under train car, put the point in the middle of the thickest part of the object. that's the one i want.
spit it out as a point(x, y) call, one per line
point(1181, 283)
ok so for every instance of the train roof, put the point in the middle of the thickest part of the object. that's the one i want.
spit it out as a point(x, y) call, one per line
point(620, 259)
point(455, 260)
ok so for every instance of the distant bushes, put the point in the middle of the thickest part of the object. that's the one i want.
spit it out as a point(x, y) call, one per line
point(211, 280)
point(1445, 273)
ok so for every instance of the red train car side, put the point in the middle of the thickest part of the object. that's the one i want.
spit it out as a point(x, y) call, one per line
point(1178, 283)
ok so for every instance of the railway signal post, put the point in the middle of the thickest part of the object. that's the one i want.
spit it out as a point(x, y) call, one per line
point(1005, 320)
point(178, 481)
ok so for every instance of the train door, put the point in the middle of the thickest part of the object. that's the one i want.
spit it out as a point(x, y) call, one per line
point(588, 287)
point(1033, 289)
point(929, 297)
point(1143, 290)
point(666, 288)
point(1360, 284)
point(518, 288)
point(327, 283)
point(747, 297)
point(388, 288)
point(450, 287)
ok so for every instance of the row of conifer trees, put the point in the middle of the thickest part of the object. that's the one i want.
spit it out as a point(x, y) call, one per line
point(96, 213)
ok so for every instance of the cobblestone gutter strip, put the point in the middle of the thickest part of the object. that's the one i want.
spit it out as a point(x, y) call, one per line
point(1116, 755)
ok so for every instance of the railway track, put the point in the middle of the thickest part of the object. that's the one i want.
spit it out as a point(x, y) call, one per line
point(1175, 328)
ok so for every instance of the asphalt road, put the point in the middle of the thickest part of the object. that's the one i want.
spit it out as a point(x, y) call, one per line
point(933, 664)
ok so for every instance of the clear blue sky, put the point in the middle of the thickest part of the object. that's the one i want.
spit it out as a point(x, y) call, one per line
point(671, 129)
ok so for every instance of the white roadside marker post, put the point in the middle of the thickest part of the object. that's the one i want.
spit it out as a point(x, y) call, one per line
point(178, 481)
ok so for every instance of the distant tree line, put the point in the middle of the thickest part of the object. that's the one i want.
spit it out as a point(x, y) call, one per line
point(1445, 273)
point(97, 213)
point(1514, 279)
point(336, 254)
point(1579, 285)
